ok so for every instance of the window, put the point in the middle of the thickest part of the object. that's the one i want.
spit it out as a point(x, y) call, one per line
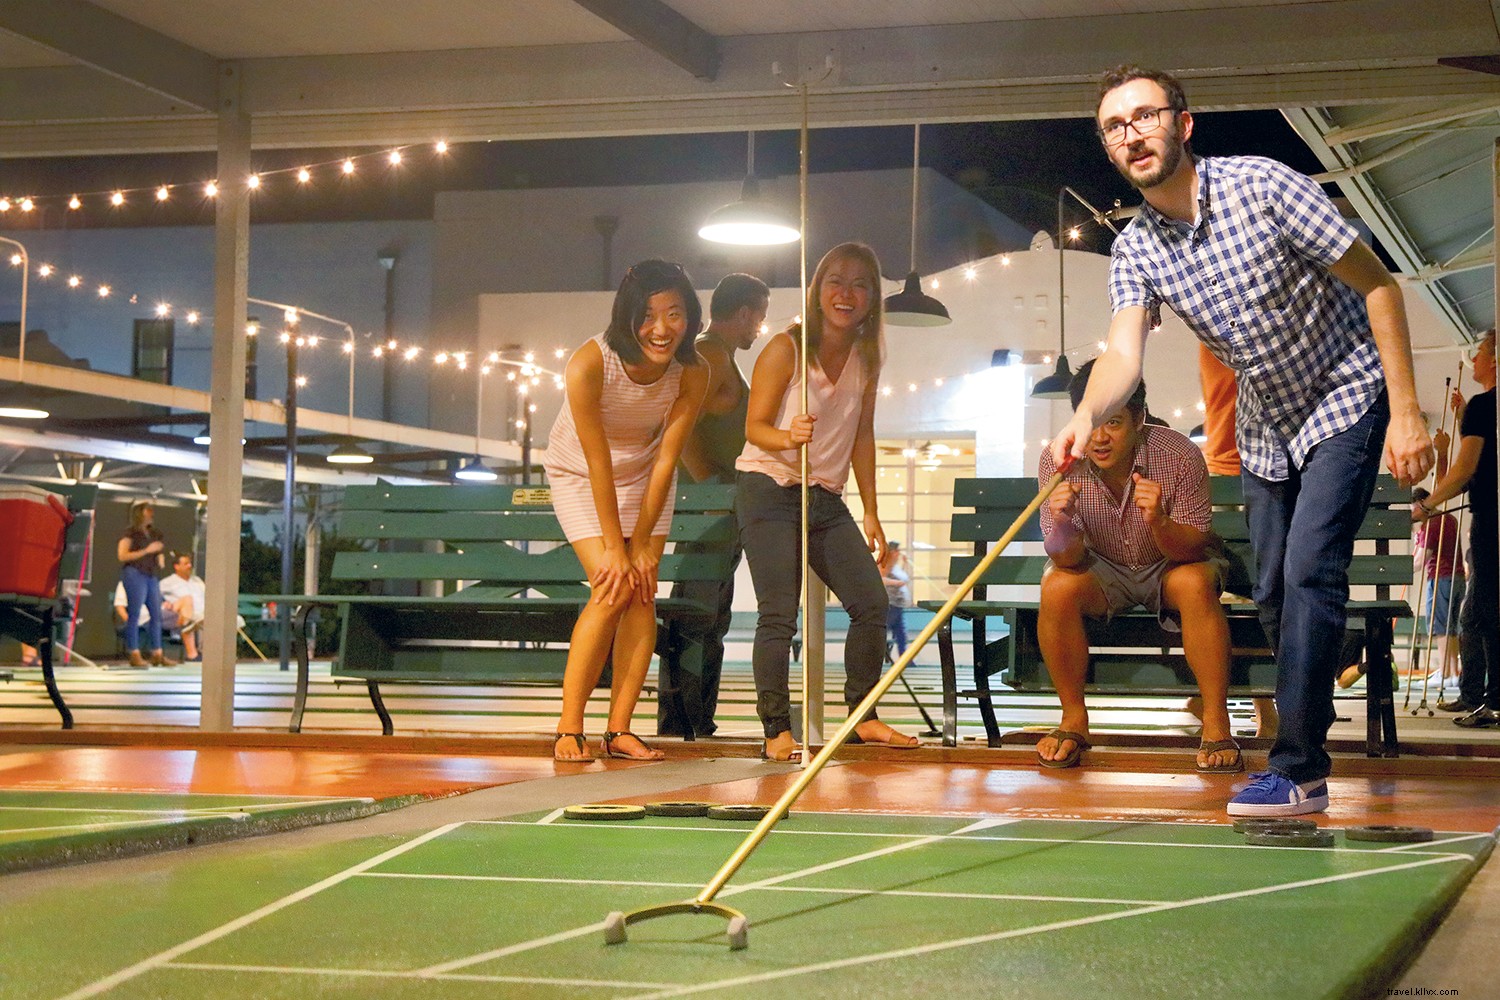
point(914, 485)
point(151, 359)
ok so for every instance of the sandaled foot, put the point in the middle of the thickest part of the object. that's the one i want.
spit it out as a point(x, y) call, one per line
point(782, 748)
point(634, 748)
point(1060, 739)
point(876, 733)
point(1219, 757)
point(571, 748)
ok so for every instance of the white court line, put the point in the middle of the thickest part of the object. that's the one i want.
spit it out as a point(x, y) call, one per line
point(551, 817)
point(978, 939)
point(637, 826)
point(443, 968)
point(839, 891)
point(192, 811)
point(295, 970)
point(167, 821)
point(1409, 848)
point(542, 942)
point(224, 930)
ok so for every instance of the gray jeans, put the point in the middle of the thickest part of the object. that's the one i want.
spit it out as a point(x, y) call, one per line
point(770, 522)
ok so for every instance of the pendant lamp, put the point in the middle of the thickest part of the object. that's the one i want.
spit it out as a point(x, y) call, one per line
point(911, 306)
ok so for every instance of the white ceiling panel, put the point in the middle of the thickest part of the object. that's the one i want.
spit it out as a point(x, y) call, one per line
point(260, 29)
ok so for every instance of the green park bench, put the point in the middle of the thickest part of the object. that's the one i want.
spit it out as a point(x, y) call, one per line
point(34, 620)
point(520, 587)
point(1132, 654)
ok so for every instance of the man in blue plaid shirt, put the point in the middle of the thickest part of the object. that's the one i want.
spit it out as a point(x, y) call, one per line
point(1256, 260)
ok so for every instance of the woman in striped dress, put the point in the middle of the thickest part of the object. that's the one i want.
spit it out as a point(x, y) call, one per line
point(845, 341)
point(632, 395)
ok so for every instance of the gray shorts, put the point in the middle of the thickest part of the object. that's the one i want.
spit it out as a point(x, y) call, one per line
point(1125, 588)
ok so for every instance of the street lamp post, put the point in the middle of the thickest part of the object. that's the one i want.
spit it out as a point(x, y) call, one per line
point(25, 412)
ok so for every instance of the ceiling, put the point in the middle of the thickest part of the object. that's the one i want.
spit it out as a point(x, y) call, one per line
point(1399, 99)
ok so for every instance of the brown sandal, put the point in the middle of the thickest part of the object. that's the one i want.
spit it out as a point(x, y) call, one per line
point(609, 750)
point(583, 747)
point(1080, 744)
point(1219, 746)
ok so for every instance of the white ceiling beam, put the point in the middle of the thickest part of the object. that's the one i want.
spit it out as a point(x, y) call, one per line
point(118, 46)
point(121, 387)
point(662, 30)
point(1398, 120)
point(1339, 52)
point(715, 113)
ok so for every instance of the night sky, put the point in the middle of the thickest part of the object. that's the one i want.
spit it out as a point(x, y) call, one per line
point(1017, 166)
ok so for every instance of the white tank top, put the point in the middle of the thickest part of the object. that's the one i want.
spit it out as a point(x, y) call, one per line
point(837, 407)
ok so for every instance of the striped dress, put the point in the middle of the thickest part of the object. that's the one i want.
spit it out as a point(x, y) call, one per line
point(635, 417)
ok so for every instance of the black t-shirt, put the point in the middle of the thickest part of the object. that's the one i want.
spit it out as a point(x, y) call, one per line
point(139, 539)
point(1479, 421)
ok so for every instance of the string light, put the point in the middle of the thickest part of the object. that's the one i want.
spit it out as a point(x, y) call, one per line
point(192, 317)
point(348, 166)
point(4, 204)
point(163, 193)
point(395, 157)
point(441, 146)
point(163, 310)
point(117, 199)
point(75, 202)
point(74, 281)
point(104, 291)
point(303, 175)
point(45, 270)
point(254, 181)
point(15, 260)
point(27, 204)
point(211, 189)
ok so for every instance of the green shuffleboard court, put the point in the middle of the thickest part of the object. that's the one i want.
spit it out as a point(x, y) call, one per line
point(40, 828)
point(839, 906)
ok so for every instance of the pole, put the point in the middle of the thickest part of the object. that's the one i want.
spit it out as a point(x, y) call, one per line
point(288, 509)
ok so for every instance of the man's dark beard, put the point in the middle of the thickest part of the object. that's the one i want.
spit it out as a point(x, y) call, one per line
point(1171, 158)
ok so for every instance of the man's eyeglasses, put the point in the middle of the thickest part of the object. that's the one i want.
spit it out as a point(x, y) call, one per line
point(1143, 121)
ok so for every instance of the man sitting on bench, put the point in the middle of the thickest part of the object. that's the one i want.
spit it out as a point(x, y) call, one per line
point(1131, 526)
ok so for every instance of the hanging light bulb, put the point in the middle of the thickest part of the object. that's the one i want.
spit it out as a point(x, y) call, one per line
point(911, 306)
point(749, 221)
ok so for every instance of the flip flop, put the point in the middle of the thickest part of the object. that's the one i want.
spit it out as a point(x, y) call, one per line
point(1215, 746)
point(856, 740)
point(794, 756)
point(1071, 759)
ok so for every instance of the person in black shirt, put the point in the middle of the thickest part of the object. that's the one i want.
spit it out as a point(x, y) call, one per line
point(1479, 618)
point(140, 553)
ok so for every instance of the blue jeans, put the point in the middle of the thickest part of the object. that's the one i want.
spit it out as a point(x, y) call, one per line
point(141, 588)
point(1479, 637)
point(1303, 532)
point(770, 521)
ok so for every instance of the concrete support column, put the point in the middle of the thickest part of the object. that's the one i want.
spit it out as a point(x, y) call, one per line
point(226, 455)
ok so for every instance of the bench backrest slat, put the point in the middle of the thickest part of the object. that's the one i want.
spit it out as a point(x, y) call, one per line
point(996, 503)
point(488, 533)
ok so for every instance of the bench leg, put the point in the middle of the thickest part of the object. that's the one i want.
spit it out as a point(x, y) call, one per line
point(44, 651)
point(950, 684)
point(1380, 698)
point(671, 706)
point(982, 686)
point(386, 729)
point(301, 642)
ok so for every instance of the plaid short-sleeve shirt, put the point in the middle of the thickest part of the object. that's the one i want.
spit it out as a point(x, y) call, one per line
point(1114, 527)
point(1251, 279)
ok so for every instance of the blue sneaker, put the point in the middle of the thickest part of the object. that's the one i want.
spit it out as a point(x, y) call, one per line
point(1269, 794)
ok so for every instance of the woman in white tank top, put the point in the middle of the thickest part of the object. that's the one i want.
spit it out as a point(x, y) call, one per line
point(632, 397)
point(844, 343)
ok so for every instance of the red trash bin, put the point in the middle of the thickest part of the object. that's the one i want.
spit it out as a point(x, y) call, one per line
point(33, 530)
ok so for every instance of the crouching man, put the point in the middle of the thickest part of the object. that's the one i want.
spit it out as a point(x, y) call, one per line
point(1130, 526)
